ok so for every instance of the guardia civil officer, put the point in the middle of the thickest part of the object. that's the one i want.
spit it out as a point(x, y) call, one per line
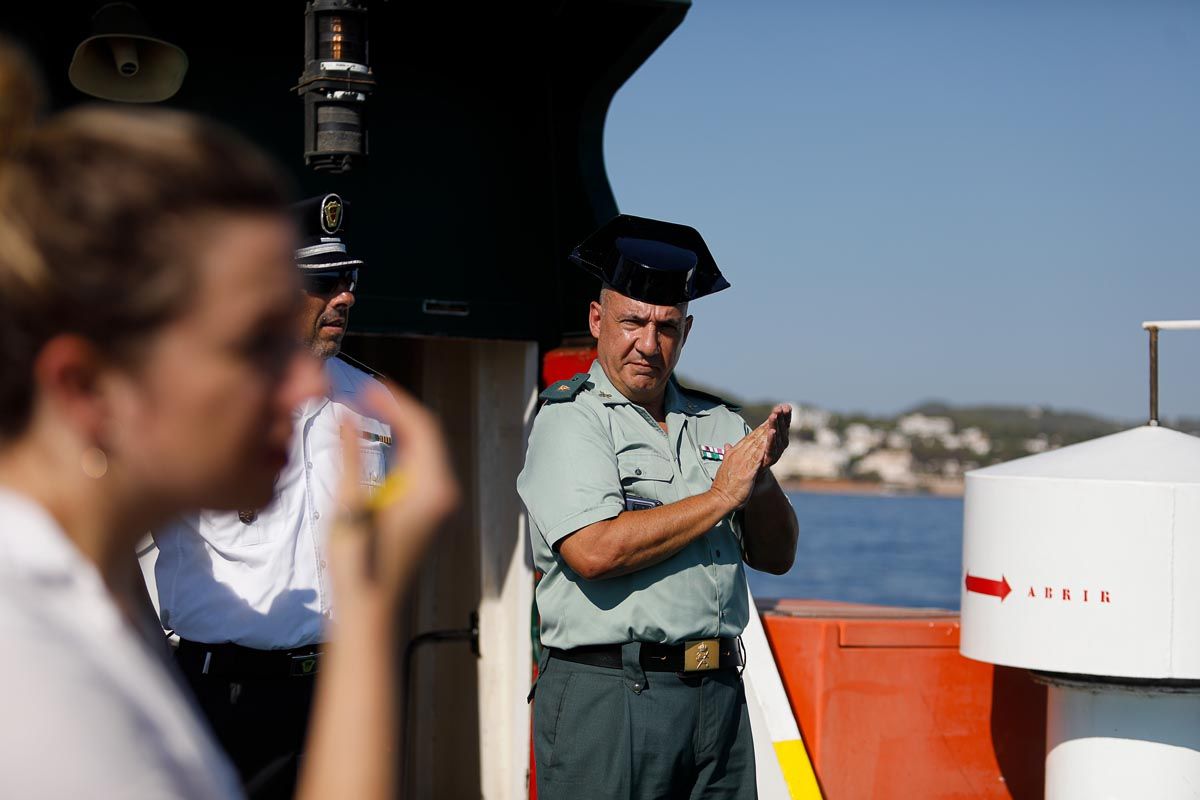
point(645, 500)
point(247, 593)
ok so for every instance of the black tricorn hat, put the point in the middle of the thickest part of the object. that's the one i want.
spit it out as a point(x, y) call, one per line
point(322, 221)
point(660, 263)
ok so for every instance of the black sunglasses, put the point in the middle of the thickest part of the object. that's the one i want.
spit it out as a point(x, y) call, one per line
point(325, 283)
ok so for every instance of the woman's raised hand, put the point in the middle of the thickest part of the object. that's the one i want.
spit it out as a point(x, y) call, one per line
point(377, 540)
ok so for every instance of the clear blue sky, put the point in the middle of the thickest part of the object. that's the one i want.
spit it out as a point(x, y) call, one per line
point(970, 201)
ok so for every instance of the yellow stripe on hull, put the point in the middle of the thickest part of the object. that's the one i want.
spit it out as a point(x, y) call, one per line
point(797, 770)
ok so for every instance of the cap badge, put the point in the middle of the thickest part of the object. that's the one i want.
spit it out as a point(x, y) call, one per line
point(248, 516)
point(331, 214)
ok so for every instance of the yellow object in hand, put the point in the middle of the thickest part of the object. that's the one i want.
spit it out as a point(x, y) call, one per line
point(391, 491)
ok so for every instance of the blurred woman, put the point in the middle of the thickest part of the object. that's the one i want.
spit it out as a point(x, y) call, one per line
point(148, 366)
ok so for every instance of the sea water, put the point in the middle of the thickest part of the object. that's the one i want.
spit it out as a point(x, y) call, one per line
point(891, 550)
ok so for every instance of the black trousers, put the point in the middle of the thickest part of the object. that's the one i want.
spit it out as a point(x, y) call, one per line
point(261, 723)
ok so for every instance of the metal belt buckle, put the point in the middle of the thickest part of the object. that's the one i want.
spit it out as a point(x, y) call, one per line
point(701, 654)
point(305, 665)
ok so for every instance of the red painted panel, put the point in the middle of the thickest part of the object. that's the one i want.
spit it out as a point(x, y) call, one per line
point(889, 709)
point(563, 362)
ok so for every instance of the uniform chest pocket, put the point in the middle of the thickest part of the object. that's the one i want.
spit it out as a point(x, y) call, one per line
point(647, 475)
point(374, 464)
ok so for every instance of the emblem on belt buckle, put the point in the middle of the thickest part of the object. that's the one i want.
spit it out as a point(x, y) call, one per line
point(701, 654)
point(305, 664)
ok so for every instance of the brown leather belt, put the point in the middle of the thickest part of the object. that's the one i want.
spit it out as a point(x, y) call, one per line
point(697, 655)
point(234, 661)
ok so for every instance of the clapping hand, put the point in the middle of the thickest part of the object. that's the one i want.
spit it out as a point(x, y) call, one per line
point(778, 423)
point(748, 460)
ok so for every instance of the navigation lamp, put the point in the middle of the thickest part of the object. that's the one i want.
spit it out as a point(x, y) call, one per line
point(124, 61)
point(335, 85)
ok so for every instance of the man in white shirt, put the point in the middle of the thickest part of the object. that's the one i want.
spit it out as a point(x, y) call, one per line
point(246, 592)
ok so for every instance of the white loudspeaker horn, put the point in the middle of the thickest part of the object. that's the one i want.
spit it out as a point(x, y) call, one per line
point(122, 61)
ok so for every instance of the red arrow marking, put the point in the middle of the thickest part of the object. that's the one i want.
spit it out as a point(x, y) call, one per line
point(998, 588)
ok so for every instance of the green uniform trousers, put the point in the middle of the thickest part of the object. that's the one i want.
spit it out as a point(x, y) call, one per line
point(604, 734)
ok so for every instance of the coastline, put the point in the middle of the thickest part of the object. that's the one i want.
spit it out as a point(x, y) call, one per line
point(933, 488)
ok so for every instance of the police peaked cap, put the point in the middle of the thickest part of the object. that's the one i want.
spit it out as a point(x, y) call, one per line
point(660, 263)
point(322, 222)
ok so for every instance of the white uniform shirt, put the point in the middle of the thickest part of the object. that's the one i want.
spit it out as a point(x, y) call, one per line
point(89, 709)
point(262, 583)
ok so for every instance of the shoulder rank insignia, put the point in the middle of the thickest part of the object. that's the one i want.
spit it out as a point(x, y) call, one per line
point(696, 393)
point(565, 390)
point(354, 362)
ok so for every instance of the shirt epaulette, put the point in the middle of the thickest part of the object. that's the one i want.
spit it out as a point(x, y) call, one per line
point(705, 395)
point(565, 390)
point(354, 362)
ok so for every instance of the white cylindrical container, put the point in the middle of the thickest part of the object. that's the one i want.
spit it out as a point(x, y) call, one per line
point(1085, 562)
point(1111, 742)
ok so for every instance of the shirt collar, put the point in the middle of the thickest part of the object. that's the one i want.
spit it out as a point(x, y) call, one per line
point(311, 406)
point(36, 556)
point(603, 387)
point(31, 541)
point(676, 400)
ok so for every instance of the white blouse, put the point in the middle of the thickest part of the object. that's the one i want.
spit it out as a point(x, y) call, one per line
point(88, 708)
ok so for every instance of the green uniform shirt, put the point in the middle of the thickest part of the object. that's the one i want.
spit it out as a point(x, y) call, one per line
point(585, 454)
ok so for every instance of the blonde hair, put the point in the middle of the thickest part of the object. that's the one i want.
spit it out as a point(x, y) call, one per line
point(21, 97)
point(95, 209)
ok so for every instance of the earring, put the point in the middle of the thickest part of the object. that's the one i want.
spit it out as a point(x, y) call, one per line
point(94, 462)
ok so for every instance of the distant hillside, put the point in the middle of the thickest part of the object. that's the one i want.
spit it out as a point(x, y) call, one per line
point(1007, 426)
point(1060, 427)
point(1186, 424)
point(1010, 428)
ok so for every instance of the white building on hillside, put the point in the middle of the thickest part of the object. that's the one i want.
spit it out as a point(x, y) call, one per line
point(1038, 444)
point(827, 438)
point(971, 439)
point(809, 418)
point(923, 427)
point(892, 466)
point(810, 460)
point(976, 441)
point(862, 439)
